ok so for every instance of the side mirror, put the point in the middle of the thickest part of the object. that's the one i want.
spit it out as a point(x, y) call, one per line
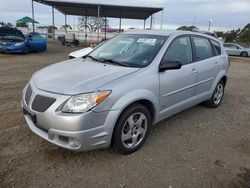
point(169, 65)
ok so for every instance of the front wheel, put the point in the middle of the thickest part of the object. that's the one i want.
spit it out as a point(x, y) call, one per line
point(244, 54)
point(26, 50)
point(217, 97)
point(132, 129)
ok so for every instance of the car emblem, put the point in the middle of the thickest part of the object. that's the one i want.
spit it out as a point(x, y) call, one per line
point(4, 43)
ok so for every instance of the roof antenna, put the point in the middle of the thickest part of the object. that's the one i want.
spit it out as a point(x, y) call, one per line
point(194, 20)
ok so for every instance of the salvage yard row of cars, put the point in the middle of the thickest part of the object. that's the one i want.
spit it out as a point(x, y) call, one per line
point(13, 40)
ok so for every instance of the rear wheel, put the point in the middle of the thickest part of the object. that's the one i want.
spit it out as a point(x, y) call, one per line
point(244, 54)
point(217, 97)
point(132, 129)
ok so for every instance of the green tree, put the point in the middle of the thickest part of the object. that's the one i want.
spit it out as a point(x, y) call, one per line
point(244, 35)
point(187, 28)
point(3, 24)
point(66, 27)
point(18, 24)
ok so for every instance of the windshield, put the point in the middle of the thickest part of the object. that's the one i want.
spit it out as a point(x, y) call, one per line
point(129, 50)
point(11, 34)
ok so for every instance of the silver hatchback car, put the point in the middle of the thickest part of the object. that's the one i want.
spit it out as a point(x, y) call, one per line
point(237, 50)
point(114, 95)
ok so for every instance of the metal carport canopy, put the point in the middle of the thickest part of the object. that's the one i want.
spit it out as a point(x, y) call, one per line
point(78, 8)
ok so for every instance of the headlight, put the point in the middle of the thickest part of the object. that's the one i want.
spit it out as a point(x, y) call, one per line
point(84, 102)
point(19, 44)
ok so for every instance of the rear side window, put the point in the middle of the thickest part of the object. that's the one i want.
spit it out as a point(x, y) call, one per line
point(216, 46)
point(230, 46)
point(203, 48)
point(180, 50)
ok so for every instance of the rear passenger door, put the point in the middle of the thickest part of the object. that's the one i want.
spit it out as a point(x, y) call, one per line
point(206, 63)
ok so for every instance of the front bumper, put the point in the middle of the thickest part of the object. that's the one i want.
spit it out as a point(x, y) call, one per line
point(11, 49)
point(81, 132)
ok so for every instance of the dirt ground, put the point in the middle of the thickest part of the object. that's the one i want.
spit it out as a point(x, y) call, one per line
point(200, 147)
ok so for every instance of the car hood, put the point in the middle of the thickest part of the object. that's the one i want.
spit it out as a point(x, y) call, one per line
point(246, 49)
point(78, 76)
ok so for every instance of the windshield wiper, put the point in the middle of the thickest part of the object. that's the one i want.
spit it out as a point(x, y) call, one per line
point(107, 60)
point(94, 58)
point(115, 62)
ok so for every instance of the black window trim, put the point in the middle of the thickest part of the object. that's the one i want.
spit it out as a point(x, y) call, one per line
point(195, 57)
point(176, 38)
point(214, 53)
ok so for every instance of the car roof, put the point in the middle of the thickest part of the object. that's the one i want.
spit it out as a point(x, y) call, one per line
point(168, 33)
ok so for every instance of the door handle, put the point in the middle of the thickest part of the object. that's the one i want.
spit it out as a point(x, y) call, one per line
point(194, 71)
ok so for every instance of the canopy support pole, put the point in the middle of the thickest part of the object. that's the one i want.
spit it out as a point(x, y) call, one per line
point(86, 17)
point(151, 22)
point(144, 27)
point(53, 22)
point(98, 24)
point(120, 25)
point(33, 16)
point(105, 28)
point(162, 12)
point(65, 20)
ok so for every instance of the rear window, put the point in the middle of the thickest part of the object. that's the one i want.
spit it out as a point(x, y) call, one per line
point(216, 47)
point(203, 48)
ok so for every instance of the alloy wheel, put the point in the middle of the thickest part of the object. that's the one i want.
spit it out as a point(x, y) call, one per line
point(134, 130)
point(218, 94)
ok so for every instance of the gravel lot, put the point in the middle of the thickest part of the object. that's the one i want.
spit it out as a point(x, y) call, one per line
point(200, 147)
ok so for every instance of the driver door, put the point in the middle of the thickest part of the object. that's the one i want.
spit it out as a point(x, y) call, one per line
point(37, 43)
point(177, 87)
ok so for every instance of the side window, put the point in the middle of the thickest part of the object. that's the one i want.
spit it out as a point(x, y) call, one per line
point(216, 46)
point(232, 46)
point(179, 50)
point(235, 47)
point(203, 48)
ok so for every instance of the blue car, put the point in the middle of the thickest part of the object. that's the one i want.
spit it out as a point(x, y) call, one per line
point(13, 40)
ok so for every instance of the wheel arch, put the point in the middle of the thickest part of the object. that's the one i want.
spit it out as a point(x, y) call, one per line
point(224, 79)
point(144, 102)
point(244, 52)
point(221, 76)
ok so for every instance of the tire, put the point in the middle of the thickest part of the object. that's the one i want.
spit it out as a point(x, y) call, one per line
point(244, 54)
point(217, 97)
point(132, 129)
point(26, 50)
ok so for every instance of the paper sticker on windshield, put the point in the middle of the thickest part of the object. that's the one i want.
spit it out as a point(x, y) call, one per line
point(147, 41)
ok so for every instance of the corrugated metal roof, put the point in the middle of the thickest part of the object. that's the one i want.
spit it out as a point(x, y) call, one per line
point(79, 8)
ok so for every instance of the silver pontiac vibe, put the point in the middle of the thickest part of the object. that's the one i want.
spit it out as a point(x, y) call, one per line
point(115, 94)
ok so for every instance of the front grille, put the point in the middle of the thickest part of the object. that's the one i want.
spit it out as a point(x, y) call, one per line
point(28, 95)
point(42, 103)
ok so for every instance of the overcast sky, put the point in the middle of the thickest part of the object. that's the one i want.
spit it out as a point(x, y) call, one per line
point(226, 14)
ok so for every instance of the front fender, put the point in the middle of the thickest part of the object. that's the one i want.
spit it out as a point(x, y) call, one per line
point(136, 95)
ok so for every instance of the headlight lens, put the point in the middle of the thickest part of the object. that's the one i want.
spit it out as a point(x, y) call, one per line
point(19, 44)
point(84, 102)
